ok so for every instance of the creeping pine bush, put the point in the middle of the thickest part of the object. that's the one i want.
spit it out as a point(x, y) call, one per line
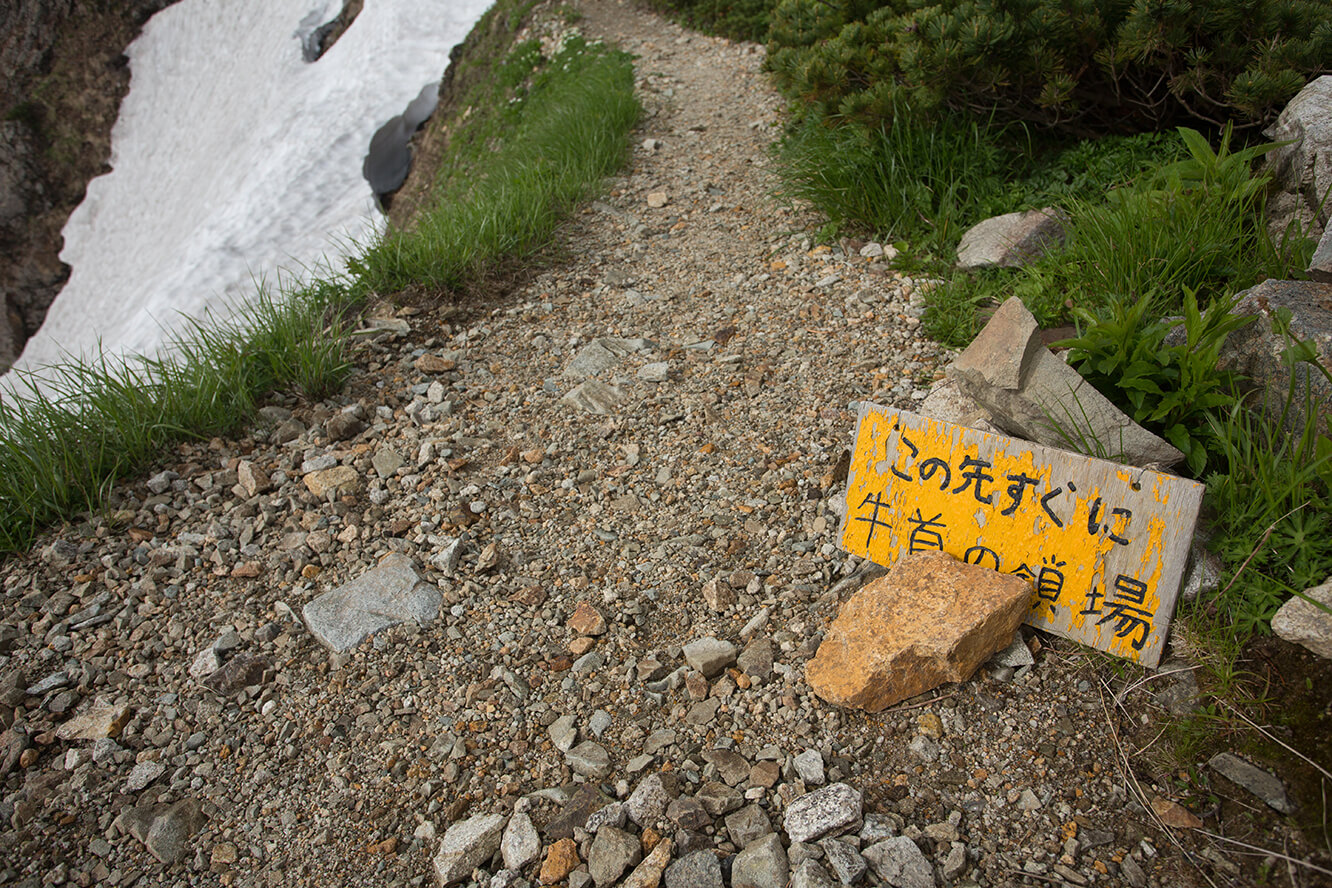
point(1084, 66)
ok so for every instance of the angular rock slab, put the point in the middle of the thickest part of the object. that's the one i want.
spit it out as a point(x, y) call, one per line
point(593, 396)
point(1050, 403)
point(900, 863)
point(825, 812)
point(390, 594)
point(466, 845)
point(1011, 240)
point(762, 864)
point(931, 619)
point(1256, 350)
point(1302, 170)
point(1257, 781)
point(1300, 622)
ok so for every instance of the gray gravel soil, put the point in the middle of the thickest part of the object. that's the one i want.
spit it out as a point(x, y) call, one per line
point(570, 550)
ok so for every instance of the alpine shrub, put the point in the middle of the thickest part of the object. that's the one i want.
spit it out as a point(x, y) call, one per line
point(1084, 66)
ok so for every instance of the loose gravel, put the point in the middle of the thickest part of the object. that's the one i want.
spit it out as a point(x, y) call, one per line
point(628, 598)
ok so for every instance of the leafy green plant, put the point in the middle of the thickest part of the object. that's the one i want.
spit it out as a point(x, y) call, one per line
point(1169, 388)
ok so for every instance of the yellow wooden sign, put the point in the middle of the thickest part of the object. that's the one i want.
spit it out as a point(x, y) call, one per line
point(1104, 545)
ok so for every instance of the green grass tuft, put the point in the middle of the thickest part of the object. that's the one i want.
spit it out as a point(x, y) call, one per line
point(511, 177)
point(91, 421)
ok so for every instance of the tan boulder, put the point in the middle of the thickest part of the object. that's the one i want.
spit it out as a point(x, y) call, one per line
point(339, 479)
point(931, 619)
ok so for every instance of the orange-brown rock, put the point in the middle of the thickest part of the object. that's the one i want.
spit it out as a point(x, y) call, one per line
point(931, 619)
point(561, 859)
point(587, 620)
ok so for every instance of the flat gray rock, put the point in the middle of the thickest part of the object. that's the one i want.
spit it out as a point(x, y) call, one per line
point(810, 874)
point(1257, 781)
point(589, 759)
point(390, 594)
point(747, 825)
point(844, 861)
point(520, 844)
point(1051, 404)
point(900, 863)
point(698, 869)
point(613, 852)
point(647, 804)
point(593, 396)
point(466, 845)
point(809, 767)
point(1011, 240)
point(829, 811)
point(762, 864)
point(1300, 622)
point(709, 655)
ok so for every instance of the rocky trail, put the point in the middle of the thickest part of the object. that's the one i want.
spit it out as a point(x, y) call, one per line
point(603, 513)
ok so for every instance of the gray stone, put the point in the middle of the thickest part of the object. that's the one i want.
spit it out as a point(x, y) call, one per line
point(1052, 405)
point(387, 461)
point(1300, 622)
point(143, 774)
point(161, 482)
point(844, 861)
point(647, 804)
point(709, 655)
point(719, 799)
point(343, 426)
point(1005, 349)
point(241, 671)
point(747, 825)
point(563, 733)
point(520, 845)
point(1177, 690)
point(719, 595)
point(1257, 781)
point(698, 869)
point(1320, 268)
point(1133, 872)
point(613, 851)
point(575, 813)
point(831, 810)
point(1015, 655)
point(703, 712)
point(955, 863)
point(657, 371)
point(762, 864)
point(756, 659)
point(446, 559)
point(731, 766)
point(589, 759)
point(602, 354)
point(809, 767)
point(1255, 350)
point(688, 813)
point(1302, 170)
point(810, 874)
point(610, 815)
point(593, 396)
point(1011, 240)
point(165, 830)
point(945, 400)
point(390, 594)
point(900, 863)
point(466, 845)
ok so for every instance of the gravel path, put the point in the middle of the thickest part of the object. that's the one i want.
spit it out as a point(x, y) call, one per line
point(572, 550)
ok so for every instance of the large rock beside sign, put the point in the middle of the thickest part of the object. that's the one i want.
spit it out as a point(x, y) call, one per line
point(1034, 395)
point(931, 619)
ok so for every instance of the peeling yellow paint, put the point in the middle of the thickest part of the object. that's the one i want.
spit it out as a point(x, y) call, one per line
point(1102, 550)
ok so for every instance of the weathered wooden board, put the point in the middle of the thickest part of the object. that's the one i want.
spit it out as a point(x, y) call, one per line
point(1104, 545)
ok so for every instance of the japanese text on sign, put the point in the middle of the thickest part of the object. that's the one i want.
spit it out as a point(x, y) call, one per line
point(1103, 545)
